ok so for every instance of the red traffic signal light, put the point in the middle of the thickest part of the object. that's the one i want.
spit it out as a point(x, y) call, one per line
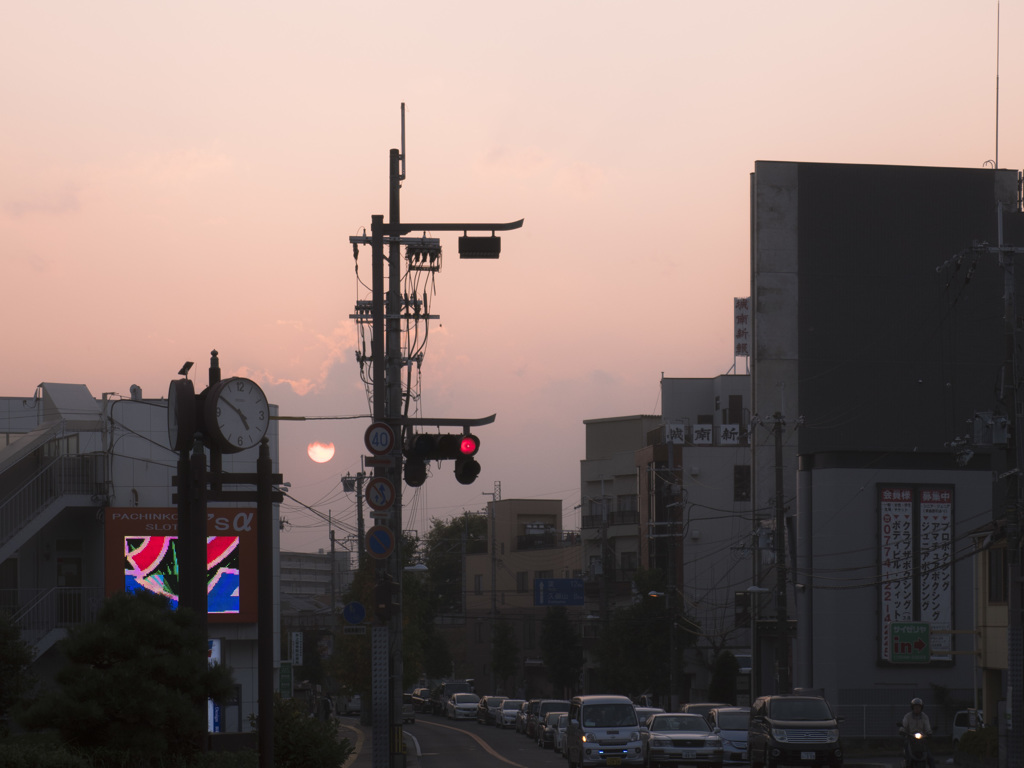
point(422, 448)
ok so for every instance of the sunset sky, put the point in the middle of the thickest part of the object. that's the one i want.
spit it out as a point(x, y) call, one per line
point(182, 177)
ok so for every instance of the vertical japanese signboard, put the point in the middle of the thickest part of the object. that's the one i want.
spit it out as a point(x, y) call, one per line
point(896, 507)
point(741, 326)
point(916, 563)
point(936, 531)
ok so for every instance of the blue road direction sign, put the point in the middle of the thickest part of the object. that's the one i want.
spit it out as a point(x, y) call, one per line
point(380, 542)
point(911, 642)
point(354, 612)
point(558, 591)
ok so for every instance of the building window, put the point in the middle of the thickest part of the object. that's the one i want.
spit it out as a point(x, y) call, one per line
point(998, 575)
point(628, 562)
point(741, 482)
point(478, 584)
point(521, 581)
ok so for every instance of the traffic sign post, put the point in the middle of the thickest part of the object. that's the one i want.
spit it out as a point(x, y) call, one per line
point(379, 438)
point(911, 642)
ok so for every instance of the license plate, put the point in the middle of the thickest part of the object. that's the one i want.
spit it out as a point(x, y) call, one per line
point(613, 761)
point(688, 755)
point(808, 755)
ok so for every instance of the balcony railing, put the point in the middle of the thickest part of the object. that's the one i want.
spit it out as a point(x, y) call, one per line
point(547, 540)
point(615, 517)
point(63, 475)
point(37, 611)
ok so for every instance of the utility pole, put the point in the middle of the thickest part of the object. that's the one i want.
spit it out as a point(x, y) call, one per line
point(387, 312)
point(495, 497)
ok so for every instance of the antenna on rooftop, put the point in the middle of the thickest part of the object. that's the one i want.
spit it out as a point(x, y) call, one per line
point(401, 176)
point(997, 85)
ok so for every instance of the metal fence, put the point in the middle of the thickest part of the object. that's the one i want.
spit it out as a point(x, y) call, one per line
point(39, 610)
point(63, 475)
point(880, 711)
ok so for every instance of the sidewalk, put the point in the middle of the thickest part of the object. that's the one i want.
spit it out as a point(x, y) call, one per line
point(361, 738)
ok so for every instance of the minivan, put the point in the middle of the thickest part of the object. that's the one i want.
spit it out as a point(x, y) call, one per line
point(794, 729)
point(602, 730)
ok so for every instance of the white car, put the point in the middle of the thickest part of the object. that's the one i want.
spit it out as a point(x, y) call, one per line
point(560, 729)
point(462, 706)
point(506, 715)
point(680, 737)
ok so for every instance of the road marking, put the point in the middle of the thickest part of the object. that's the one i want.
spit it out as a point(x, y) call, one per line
point(481, 742)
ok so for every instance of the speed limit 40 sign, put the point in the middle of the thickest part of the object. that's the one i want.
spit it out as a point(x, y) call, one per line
point(379, 438)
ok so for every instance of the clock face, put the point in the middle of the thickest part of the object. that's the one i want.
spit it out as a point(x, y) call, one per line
point(181, 414)
point(237, 414)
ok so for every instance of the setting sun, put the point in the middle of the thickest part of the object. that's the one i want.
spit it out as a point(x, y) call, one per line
point(320, 452)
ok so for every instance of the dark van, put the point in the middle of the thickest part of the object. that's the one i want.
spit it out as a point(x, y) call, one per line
point(790, 729)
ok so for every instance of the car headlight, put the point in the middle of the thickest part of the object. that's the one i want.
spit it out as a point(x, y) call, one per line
point(589, 737)
point(779, 734)
point(832, 735)
point(714, 742)
point(634, 736)
point(658, 742)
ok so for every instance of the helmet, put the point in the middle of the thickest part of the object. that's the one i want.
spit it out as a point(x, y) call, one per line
point(916, 702)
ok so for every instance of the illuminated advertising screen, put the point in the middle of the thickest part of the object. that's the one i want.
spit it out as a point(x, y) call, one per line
point(142, 552)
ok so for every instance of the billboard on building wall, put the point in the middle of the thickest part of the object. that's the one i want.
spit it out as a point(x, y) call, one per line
point(141, 546)
point(916, 563)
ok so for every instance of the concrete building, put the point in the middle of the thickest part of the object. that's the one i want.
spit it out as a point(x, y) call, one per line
point(85, 494)
point(527, 550)
point(878, 335)
point(694, 485)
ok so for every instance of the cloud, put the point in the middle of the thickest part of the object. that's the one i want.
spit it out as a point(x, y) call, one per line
point(55, 203)
point(328, 348)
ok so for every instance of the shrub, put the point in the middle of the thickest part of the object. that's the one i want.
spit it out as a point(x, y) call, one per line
point(981, 743)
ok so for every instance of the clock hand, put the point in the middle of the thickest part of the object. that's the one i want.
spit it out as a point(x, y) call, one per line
point(236, 409)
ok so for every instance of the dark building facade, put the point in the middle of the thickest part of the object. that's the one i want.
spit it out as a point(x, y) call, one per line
point(878, 335)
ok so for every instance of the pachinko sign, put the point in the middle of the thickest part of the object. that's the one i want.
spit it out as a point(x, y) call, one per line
point(142, 553)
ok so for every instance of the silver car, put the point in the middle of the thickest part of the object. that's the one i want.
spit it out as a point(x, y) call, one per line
point(678, 737)
point(462, 706)
point(731, 724)
point(506, 715)
point(560, 728)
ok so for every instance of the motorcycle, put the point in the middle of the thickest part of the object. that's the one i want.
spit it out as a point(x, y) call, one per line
point(915, 749)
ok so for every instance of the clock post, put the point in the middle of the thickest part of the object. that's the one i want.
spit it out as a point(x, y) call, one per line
point(231, 415)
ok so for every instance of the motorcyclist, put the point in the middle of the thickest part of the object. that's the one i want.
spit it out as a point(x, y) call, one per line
point(916, 721)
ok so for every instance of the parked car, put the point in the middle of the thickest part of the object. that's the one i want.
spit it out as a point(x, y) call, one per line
point(353, 705)
point(408, 709)
point(440, 695)
point(544, 706)
point(546, 729)
point(485, 709)
point(680, 737)
point(774, 718)
point(529, 711)
point(523, 715)
point(462, 706)
point(731, 723)
point(966, 720)
point(421, 699)
point(603, 730)
point(560, 728)
point(703, 707)
point(507, 712)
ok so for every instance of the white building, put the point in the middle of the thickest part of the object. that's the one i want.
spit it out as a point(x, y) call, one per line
point(85, 483)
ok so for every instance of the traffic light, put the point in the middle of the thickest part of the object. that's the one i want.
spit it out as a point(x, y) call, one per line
point(422, 448)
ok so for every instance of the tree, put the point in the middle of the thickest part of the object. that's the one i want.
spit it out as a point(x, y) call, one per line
point(634, 648)
point(136, 680)
point(505, 653)
point(561, 649)
point(15, 657)
point(444, 547)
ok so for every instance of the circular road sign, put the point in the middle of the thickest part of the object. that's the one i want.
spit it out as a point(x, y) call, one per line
point(379, 438)
point(380, 542)
point(380, 493)
point(354, 612)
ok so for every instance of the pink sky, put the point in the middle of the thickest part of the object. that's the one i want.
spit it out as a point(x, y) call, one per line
point(183, 177)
